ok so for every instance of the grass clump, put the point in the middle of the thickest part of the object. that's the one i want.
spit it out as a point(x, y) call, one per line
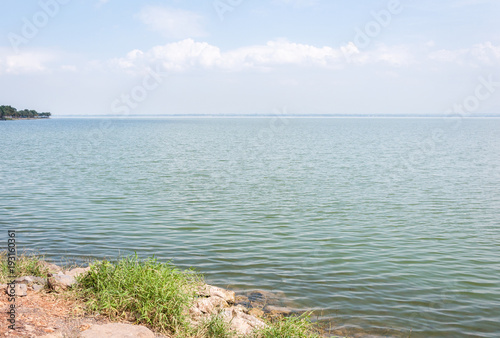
point(25, 265)
point(294, 326)
point(213, 327)
point(152, 293)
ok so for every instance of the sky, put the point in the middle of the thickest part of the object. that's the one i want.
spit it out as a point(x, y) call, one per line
point(263, 57)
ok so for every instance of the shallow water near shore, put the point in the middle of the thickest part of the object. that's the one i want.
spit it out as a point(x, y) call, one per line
point(383, 226)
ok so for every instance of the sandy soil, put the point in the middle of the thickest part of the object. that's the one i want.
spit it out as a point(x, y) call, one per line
point(41, 313)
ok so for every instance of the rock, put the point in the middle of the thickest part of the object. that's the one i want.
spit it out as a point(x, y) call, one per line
point(28, 280)
point(241, 299)
point(213, 291)
point(37, 287)
point(39, 280)
point(60, 282)
point(277, 310)
point(240, 307)
point(241, 322)
point(210, 305)
point(77, 271)
point(261, 298)
point(21, 290)
point(117, 330)
point(256, 312)
point(51, 268)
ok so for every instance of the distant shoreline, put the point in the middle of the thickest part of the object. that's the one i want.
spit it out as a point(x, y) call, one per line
point(8, 113)
point(271, 116)
point(22, 118)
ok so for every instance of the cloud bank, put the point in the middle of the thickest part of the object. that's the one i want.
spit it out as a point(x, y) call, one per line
point(187, 55)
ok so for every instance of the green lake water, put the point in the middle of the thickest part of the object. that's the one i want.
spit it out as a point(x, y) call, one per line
point(382, 226)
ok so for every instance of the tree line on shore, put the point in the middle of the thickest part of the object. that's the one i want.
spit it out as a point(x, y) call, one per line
point(9, 112)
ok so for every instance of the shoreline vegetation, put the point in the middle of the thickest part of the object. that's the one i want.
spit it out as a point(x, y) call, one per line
point(11, 113)
point(153, 296)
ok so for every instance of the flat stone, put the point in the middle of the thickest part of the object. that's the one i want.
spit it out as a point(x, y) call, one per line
point(60, 282)
point(214, 291)
point(21, 290)
point(77, 271)
point(117, 330)
point(37, 287)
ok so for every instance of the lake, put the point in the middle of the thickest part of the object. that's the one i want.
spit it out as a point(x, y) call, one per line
point(387, 226)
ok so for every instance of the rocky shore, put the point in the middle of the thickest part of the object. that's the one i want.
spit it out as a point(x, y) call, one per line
point(243, 313)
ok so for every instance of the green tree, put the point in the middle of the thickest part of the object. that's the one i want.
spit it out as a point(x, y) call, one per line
point(7, 111)
point(25, 113)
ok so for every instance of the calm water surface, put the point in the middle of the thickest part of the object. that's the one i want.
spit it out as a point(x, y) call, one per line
point(385, 226)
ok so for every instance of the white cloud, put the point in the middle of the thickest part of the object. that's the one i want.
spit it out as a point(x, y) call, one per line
point(188, 54)
point(480, 54)
point(276, 53)
point(396, 56)
point(25, 62)
point(191, 55)
point(172, 23)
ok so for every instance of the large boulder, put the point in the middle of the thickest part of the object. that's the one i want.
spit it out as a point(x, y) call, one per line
point(60, 282)
point(77, 272)
point(241, 322)
point(214, 291)
point(117, 330)
point(210, 305)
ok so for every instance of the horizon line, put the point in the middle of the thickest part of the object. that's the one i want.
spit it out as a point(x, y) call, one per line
point(276, 115)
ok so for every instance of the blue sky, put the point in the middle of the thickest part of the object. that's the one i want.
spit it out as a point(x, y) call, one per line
point(96, 57)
